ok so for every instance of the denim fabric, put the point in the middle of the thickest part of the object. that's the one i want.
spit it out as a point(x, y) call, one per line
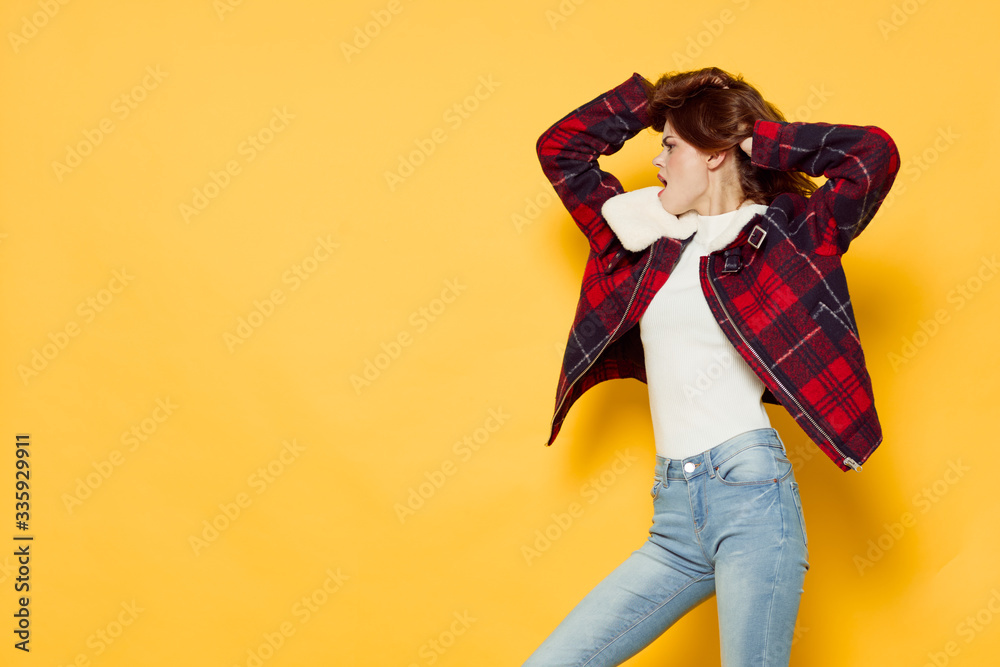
point(726, 522)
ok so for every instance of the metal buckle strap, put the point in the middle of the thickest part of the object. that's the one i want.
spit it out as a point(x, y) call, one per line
point(757, 236)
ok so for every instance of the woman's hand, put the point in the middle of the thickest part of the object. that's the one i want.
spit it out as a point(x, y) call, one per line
point(747, 145)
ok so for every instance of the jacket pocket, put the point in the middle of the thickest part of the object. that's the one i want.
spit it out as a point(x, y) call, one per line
point(839, 332)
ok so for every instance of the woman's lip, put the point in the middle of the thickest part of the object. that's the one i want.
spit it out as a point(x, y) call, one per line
point(660, 192)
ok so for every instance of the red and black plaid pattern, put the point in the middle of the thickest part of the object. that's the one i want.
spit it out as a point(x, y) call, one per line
point(786, 309)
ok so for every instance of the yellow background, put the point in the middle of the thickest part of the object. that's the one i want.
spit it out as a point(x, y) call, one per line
point(464, 217)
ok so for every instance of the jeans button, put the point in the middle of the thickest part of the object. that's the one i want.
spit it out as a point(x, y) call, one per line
point(689, 467)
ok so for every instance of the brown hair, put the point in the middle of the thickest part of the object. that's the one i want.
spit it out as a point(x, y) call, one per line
point(711, 118)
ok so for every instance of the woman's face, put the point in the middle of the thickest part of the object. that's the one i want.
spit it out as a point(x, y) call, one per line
point(683, 171)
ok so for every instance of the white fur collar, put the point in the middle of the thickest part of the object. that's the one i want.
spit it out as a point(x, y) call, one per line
point(638, 218)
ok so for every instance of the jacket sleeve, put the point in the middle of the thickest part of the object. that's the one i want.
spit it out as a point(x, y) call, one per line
point(568, 153)
point(860, 164)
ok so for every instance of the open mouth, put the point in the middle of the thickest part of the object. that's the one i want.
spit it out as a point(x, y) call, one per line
point(660, 178)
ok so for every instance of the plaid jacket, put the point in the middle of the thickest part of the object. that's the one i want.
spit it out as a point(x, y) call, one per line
point(778, 290)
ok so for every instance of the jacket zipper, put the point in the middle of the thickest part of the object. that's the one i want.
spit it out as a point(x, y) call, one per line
point(847, 459)
point(638, 284)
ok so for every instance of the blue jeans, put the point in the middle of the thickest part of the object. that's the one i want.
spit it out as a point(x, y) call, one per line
point(727, 522)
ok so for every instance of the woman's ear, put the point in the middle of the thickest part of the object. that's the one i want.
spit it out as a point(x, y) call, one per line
point(718, 158)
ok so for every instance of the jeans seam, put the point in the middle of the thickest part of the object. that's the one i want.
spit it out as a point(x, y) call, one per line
point(697, 531)
point(774, 580)
point(774, 585)
point(652, 611)
point(799, 513)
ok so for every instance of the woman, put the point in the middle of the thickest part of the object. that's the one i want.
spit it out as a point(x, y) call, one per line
point(721, 289)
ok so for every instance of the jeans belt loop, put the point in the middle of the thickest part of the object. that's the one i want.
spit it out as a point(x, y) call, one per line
point(781, 442)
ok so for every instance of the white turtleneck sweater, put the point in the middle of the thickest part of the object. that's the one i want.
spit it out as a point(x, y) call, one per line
point(701, 391)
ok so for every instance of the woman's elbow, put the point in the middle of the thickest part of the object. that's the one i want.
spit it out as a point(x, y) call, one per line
point(888, 154)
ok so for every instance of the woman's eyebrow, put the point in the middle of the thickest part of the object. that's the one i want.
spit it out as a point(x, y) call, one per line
point(663, 142)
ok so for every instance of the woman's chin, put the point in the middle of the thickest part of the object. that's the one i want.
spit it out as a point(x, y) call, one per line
point(665, 205)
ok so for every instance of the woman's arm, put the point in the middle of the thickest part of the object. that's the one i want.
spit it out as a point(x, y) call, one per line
point(859, 162)
point(568, 153)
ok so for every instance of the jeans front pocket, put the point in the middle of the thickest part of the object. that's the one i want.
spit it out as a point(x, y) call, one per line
point(754, 464)
point(657, 485)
